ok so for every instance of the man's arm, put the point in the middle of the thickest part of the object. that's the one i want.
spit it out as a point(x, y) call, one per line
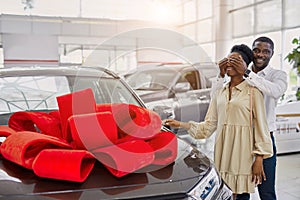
point(275, 88)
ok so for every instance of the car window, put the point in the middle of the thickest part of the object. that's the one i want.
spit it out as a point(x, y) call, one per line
point(40, 92)
point(31, 92)
point(151, 80)
point(210, 74)
point(106, 90)
point(191, 77)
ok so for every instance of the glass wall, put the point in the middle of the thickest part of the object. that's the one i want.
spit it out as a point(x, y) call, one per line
point(278, 19)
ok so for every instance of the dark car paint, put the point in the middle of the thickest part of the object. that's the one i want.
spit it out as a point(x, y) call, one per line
point(171, 181)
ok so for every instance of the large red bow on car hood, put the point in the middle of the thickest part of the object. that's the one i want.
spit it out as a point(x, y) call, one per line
point(65, 144)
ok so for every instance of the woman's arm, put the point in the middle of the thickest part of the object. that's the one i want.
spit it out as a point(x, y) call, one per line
point(199, 130)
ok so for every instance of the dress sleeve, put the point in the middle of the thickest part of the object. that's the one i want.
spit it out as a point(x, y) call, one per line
point(208, 126)
point(262, 140)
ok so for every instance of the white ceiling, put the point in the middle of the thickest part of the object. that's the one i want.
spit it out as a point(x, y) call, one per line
point(164, 11)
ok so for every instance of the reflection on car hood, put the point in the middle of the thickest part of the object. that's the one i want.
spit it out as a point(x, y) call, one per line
point(175, 180)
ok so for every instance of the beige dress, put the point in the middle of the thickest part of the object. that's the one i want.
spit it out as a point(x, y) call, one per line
point(236, 144)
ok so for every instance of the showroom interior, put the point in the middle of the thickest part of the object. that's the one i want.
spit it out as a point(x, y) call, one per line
point(77, 31)
point(124, 35)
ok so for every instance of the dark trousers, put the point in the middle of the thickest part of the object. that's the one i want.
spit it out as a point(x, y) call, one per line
point(244, 196)
point(266, 190)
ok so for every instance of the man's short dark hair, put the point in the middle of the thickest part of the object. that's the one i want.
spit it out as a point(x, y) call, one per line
point(264, 39)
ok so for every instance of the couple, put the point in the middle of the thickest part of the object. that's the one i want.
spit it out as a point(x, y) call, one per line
point(243, 117)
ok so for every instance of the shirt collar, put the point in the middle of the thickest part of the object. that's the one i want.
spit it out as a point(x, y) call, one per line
point(239, 87)
point(265, 71)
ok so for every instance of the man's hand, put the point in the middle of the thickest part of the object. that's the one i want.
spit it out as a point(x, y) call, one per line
point(222, 65)
point(238, 63)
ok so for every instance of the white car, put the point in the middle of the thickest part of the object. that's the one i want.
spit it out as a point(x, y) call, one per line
point(288, 127)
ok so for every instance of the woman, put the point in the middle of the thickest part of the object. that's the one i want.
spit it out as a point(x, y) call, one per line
point(233, 111)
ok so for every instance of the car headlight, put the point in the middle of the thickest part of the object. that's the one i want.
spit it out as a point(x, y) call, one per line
point(207, 187)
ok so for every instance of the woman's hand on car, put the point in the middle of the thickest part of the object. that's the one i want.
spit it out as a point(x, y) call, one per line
point(171, 122)
point(176, 124)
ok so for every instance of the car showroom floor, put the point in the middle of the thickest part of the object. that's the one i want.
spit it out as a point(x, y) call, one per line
point(288, 173)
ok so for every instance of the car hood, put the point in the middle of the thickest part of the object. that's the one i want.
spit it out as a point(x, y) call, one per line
point(172, 181)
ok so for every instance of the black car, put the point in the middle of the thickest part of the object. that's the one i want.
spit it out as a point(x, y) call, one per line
point(191, 176)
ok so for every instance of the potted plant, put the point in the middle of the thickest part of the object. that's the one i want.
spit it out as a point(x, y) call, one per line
point(294, 56)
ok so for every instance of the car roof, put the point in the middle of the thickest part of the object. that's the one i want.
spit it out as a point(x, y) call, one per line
point(175, 67)
point(71, 70)
point(209, 69)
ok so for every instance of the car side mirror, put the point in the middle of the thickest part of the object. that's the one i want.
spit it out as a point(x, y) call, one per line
point(182, 87)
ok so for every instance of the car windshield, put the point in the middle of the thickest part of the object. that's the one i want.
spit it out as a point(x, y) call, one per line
point(151, 80)
point(39, 92)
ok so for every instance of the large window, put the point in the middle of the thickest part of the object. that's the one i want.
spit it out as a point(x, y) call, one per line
point(189, 12)
point(292, 13)
point(239, 4)
point(245, 26)
point(204, 9)
point(268, 16)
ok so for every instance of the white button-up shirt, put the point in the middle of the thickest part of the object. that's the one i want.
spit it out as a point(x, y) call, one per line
point(273, 84)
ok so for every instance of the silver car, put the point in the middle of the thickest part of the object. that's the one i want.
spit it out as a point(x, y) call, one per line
point(180, 91)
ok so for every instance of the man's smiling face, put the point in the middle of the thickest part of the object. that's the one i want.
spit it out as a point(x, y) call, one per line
point(262, 52)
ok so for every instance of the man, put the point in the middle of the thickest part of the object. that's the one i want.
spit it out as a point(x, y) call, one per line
point(273, 84)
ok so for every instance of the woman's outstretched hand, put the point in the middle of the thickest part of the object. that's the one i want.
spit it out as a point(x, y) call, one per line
point(176, 124)
point(171, 122)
